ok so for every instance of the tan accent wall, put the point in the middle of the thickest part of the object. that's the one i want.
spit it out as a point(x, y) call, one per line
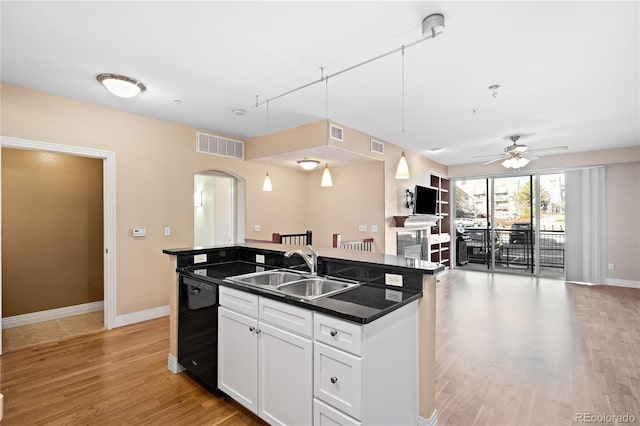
point(52, 231)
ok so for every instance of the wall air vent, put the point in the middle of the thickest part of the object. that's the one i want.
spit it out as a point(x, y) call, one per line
point(377, 146)
point(336, 132)
point(217, 145)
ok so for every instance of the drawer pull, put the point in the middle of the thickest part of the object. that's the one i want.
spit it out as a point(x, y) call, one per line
point(252, 329)
point(333, 333)
point(258, 331)
point(334, 379)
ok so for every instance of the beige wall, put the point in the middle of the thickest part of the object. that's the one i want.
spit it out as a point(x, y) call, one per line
point(155, 165)
point(52, 231)
point(623, 198)
point(356, 198)
point(623, 225)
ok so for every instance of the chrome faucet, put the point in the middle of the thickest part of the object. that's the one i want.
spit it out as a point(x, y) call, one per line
point(310, 260)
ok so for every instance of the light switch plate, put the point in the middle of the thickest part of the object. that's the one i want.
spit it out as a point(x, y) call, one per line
point(257, 228)
point(167, 231)
point(362, 228)
point(374, 228)
point(393, 279)
point(199, 258)
point(259, 258)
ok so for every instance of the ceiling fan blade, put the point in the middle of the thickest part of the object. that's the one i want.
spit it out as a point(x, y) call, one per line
point(487, 156)
point(493, 161)
point(553, 148)
point(529, 156)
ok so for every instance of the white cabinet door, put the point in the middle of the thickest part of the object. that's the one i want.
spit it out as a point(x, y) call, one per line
point(285, 382)
point(238, 357)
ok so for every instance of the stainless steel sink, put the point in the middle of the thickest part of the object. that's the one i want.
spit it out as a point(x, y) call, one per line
point(269, 278)
point(293, 283)
point(312, 288)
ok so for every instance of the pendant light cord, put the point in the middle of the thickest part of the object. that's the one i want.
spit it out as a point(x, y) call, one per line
point(403, 89)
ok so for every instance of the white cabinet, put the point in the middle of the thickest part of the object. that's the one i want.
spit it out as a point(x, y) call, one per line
point(366, 374)
point(265, 361)
point(238, 357)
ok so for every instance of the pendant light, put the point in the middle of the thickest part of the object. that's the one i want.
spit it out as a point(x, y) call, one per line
point(266, 185)
point(326, 180)
point(402, 172)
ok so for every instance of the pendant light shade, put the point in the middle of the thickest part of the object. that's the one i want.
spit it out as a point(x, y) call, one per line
point(326, 176)
point(402, 172)
point(266, 186)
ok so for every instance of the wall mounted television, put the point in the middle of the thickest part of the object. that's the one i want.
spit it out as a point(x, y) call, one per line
point(425, 200)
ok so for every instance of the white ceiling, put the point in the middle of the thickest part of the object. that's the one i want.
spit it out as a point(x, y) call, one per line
point(569, 71)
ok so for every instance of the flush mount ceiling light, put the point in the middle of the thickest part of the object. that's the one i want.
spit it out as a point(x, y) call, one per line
point(308, 164)
point(120, 85)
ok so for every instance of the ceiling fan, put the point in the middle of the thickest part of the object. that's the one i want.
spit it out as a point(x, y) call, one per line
point(518, 155)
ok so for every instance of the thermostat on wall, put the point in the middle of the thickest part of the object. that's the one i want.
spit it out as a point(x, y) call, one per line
point(139, 232)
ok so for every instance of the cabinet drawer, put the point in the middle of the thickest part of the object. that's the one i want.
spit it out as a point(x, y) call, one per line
point(239, 301)
point(324, 415)
point(291, 318)
point(337, 379)
point(338, 333)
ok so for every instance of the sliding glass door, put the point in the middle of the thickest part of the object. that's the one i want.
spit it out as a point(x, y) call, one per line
point(497, 222)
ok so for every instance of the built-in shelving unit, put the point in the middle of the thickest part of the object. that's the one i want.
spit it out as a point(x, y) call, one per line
point(440, 239)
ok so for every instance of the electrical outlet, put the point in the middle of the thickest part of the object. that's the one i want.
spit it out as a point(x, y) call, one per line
point(362, 228)
point(259, 258)
point(199, 258)
point(374, 228)
point(167, 231)
point(257, 228)
point(393, 279)
point(611, 266)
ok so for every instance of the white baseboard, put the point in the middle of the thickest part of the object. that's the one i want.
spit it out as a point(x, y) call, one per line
point(140, 316)
point(623, 283)
point(431, 421)
point(51, 314)
point(173, 365)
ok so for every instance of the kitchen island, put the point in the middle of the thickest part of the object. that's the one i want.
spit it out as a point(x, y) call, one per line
point(378, 329)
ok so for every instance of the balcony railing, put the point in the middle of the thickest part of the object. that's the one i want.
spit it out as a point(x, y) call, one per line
point(514, 248)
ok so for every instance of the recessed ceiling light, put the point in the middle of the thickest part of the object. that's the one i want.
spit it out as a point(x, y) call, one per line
point(121, 85)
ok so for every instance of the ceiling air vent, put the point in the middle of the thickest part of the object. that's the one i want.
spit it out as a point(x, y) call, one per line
point(335, 132)
point(377, 146)
point(217, 145)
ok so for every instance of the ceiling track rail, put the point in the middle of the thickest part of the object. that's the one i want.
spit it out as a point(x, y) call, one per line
point(432, 26)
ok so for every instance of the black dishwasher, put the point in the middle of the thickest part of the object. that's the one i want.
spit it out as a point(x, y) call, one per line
point(198, 330)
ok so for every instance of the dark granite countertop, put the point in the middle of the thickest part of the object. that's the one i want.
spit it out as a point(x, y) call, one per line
point(381, 259)
point(361, 304)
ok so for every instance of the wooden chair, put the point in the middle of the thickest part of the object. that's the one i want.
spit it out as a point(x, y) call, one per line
point(365, 244)
point(303, 239)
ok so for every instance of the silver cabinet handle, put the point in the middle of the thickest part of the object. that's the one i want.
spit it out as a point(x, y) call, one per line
point(252, 329)
point(333, 333)
point(258, 331)
point(333, 379)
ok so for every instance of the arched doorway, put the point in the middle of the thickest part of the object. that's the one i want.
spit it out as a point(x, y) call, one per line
point(219, 208)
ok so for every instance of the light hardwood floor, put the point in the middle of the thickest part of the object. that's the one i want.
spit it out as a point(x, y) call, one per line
point(509, 351)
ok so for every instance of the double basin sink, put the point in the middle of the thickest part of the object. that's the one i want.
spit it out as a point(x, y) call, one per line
point(293, 283)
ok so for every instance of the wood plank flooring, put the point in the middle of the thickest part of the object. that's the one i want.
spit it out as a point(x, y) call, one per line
point(509, 351)
point(514, 350)
point(118, 377)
